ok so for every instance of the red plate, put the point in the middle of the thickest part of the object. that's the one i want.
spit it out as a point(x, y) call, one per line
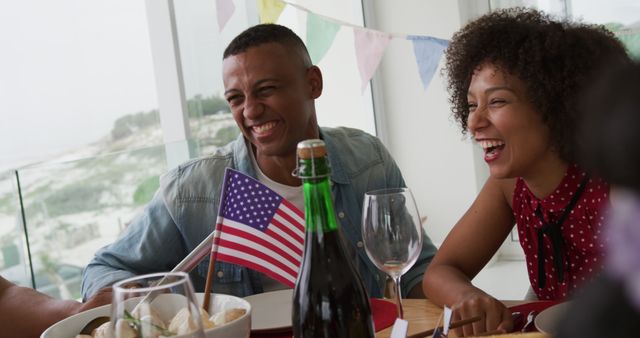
point(384, 315)
point(524, 310)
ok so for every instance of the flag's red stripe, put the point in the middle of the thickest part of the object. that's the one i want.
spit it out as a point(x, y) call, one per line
point(291, 220)
point(263, 242)
point(292, 246)
point(296, 235)
point(257, 253)
point(294, 209)
point(254, 266)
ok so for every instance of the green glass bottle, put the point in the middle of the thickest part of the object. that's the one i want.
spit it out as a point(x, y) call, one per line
point(329, 298)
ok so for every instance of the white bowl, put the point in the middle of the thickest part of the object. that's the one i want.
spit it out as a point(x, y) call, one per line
point(239, 328)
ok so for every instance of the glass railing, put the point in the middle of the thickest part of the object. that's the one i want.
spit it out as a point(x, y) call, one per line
point(14, 261)
point(54, 216)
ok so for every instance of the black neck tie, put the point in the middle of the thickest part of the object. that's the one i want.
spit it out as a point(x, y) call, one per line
point(555, 235)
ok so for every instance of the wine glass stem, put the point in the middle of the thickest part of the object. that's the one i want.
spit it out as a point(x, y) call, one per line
point(396, 281)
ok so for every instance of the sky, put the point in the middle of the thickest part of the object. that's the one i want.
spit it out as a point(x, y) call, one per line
point(68, 70)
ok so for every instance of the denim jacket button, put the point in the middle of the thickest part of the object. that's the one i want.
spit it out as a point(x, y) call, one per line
point(220, 274)
point(341, 214)
point(360, 244)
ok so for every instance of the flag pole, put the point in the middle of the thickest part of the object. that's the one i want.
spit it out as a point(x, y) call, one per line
point(214, 247)
point(209, 284)
point(212, 263)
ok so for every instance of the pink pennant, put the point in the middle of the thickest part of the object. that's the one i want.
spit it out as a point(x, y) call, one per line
point(370, 46)
point(224, 9)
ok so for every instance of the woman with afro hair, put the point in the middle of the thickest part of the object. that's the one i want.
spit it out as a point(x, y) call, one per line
point(515, 77)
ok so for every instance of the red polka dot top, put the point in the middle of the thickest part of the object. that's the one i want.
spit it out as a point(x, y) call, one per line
point(577, 254)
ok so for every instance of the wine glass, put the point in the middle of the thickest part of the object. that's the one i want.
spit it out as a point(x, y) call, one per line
point(392, 233)
point(153, 305)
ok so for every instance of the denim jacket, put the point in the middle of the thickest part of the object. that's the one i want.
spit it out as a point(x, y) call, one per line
point(183, 212)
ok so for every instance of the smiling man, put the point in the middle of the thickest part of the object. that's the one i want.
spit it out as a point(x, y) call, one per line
point(271, 86)
point(271, 90)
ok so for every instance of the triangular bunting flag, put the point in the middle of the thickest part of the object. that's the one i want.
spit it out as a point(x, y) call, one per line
point(370, 46)
point(428, 51)
point(320, 35)
point(270, 10)
point(224, 10)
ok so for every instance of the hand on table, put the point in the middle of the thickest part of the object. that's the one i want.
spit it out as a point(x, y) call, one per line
point(495, 316)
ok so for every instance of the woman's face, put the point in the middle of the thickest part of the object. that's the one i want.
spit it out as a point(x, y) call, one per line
point(506, 125)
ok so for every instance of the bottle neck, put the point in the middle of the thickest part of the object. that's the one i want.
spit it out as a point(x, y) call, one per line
point(318, 203)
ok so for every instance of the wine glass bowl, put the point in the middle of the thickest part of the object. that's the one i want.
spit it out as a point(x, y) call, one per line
point(392, 233)
point(159, 304)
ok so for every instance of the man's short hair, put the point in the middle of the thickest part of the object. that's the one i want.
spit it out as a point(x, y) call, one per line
point(267, 33)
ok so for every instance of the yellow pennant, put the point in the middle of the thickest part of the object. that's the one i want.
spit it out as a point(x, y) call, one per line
point(270, 10)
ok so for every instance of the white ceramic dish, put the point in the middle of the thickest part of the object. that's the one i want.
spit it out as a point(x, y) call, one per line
point(547, 320)
point(239, 328)
point(271, 311)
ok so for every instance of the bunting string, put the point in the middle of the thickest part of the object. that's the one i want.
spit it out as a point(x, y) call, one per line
point(339, 22)
point(369, 44)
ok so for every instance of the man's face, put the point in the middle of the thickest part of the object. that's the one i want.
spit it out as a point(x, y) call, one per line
point(271, 94)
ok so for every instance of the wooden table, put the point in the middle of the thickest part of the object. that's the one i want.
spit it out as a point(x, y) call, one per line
point(423, 315)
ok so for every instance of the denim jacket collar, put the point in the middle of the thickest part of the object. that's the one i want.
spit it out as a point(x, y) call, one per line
point(241, 157)
point(338, 172)
point(242, 160)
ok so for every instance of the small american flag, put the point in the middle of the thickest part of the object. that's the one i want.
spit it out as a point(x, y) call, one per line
point(259, 229)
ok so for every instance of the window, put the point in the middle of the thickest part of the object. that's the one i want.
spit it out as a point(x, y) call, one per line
point(201, 46)
point(86, 142)
point(71, 66)
point(619, 16)
point(81, 135)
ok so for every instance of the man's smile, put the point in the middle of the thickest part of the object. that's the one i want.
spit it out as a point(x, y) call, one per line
point(263, 128)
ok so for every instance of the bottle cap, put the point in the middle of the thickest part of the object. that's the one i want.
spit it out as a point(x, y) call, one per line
point(310, 150)
point(313, 148)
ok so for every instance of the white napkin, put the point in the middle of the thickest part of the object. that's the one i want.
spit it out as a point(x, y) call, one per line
point(399, 328)
point(446, 321)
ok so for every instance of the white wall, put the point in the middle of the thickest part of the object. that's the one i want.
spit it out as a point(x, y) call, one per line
point(438, 164)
